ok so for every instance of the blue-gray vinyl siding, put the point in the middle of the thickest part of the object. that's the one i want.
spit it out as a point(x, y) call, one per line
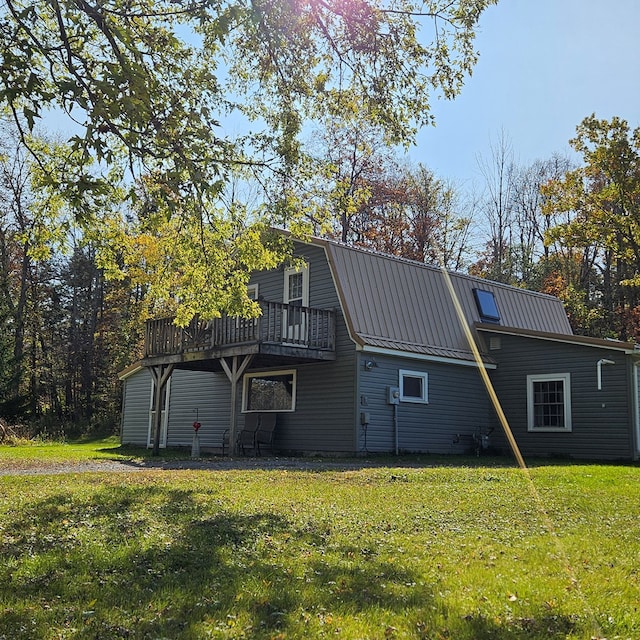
point(206, 392)
point(189, 390)
point(324, 420)
point(136, 402)
point(457, 405)
point(601, 420)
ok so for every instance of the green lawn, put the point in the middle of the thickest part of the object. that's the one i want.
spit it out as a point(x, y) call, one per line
point(460, 552)
point(35, 453)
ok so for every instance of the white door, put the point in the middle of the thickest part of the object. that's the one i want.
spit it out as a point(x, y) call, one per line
point(296, 295)
point(164, 418)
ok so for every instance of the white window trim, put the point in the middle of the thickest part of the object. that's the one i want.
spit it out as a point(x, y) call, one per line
point(304, 270)
point(425, 386)
point(549, 377)
point(264, 374)
point(252, 291)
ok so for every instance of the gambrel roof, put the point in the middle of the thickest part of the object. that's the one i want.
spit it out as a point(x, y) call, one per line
point(394, 303)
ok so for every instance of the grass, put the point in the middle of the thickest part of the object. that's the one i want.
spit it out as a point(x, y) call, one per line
point(36, 452)
point(59, 451)
point(460, 552)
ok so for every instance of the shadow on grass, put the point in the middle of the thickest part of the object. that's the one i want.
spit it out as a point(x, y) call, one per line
point(147, 561)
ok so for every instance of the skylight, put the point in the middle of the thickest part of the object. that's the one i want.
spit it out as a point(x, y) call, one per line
point(487, 306)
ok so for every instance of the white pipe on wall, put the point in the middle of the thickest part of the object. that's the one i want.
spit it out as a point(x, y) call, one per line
point(599, 370)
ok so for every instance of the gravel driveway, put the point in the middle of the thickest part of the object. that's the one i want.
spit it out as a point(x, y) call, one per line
point(41, 467)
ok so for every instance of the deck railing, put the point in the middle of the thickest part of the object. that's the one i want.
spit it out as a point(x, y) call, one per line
point(279, 324)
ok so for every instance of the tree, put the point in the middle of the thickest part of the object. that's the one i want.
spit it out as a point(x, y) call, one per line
point(412, 213)
point(65, 331)
point(365, 196)
point(149, 82)
point(439, 232)
point(16, 270)
point(601, 200)
point(348, 162)
point(498, 173)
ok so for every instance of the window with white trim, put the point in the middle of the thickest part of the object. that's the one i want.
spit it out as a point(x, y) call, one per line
point(549, 402)
point(413, 386)
point(269, 391)
point(252, 291)
point(296, 286)
point(296, 295)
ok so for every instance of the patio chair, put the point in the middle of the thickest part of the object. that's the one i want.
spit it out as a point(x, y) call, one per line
point(247, 436)
point(264, 434)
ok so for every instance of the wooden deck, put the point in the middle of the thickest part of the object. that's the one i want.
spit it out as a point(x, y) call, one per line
point(280, 330)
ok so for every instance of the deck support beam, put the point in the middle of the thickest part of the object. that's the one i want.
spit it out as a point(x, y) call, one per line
point(160, 374)
point(234, 368)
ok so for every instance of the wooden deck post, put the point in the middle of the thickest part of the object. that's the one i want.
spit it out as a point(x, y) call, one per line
point(160, 374)
point(234, 371)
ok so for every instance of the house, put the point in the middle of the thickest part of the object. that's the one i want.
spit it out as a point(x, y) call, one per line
point(359, 352)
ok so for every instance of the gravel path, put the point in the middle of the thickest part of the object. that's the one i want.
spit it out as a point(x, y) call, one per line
point(42, 467)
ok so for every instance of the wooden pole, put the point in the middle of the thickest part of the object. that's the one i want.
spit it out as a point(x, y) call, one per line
point(234, 371)
point(160, 374)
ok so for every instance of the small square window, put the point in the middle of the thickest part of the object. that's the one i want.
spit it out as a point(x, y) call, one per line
point(487, 307)
point(413, 386)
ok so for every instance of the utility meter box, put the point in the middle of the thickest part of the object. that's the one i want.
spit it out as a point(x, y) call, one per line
point(393, 395)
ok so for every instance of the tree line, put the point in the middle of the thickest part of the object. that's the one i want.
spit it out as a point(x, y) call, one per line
point(152, 205)
point(556, 226)
point(564, 226)
point(65, 328)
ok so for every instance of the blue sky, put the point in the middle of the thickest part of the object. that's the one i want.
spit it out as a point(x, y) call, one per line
point(544, 65)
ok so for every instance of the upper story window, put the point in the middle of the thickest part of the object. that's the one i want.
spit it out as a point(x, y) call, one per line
point(296, 286)
point(487, 307)
point(252, 291)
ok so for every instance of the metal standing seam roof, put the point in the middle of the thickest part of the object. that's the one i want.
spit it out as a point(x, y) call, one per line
point(395, 303)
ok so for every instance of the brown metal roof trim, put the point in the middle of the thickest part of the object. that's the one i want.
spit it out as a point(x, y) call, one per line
point(603, 343)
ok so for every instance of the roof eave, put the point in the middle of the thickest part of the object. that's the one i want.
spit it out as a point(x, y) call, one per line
point(601, 343)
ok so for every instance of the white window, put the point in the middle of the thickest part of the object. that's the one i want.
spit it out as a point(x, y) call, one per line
point(549, 402)
point(269, 391)
point(296, 286)
point(413, 386)
point(252, 291)
point(296, 295)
